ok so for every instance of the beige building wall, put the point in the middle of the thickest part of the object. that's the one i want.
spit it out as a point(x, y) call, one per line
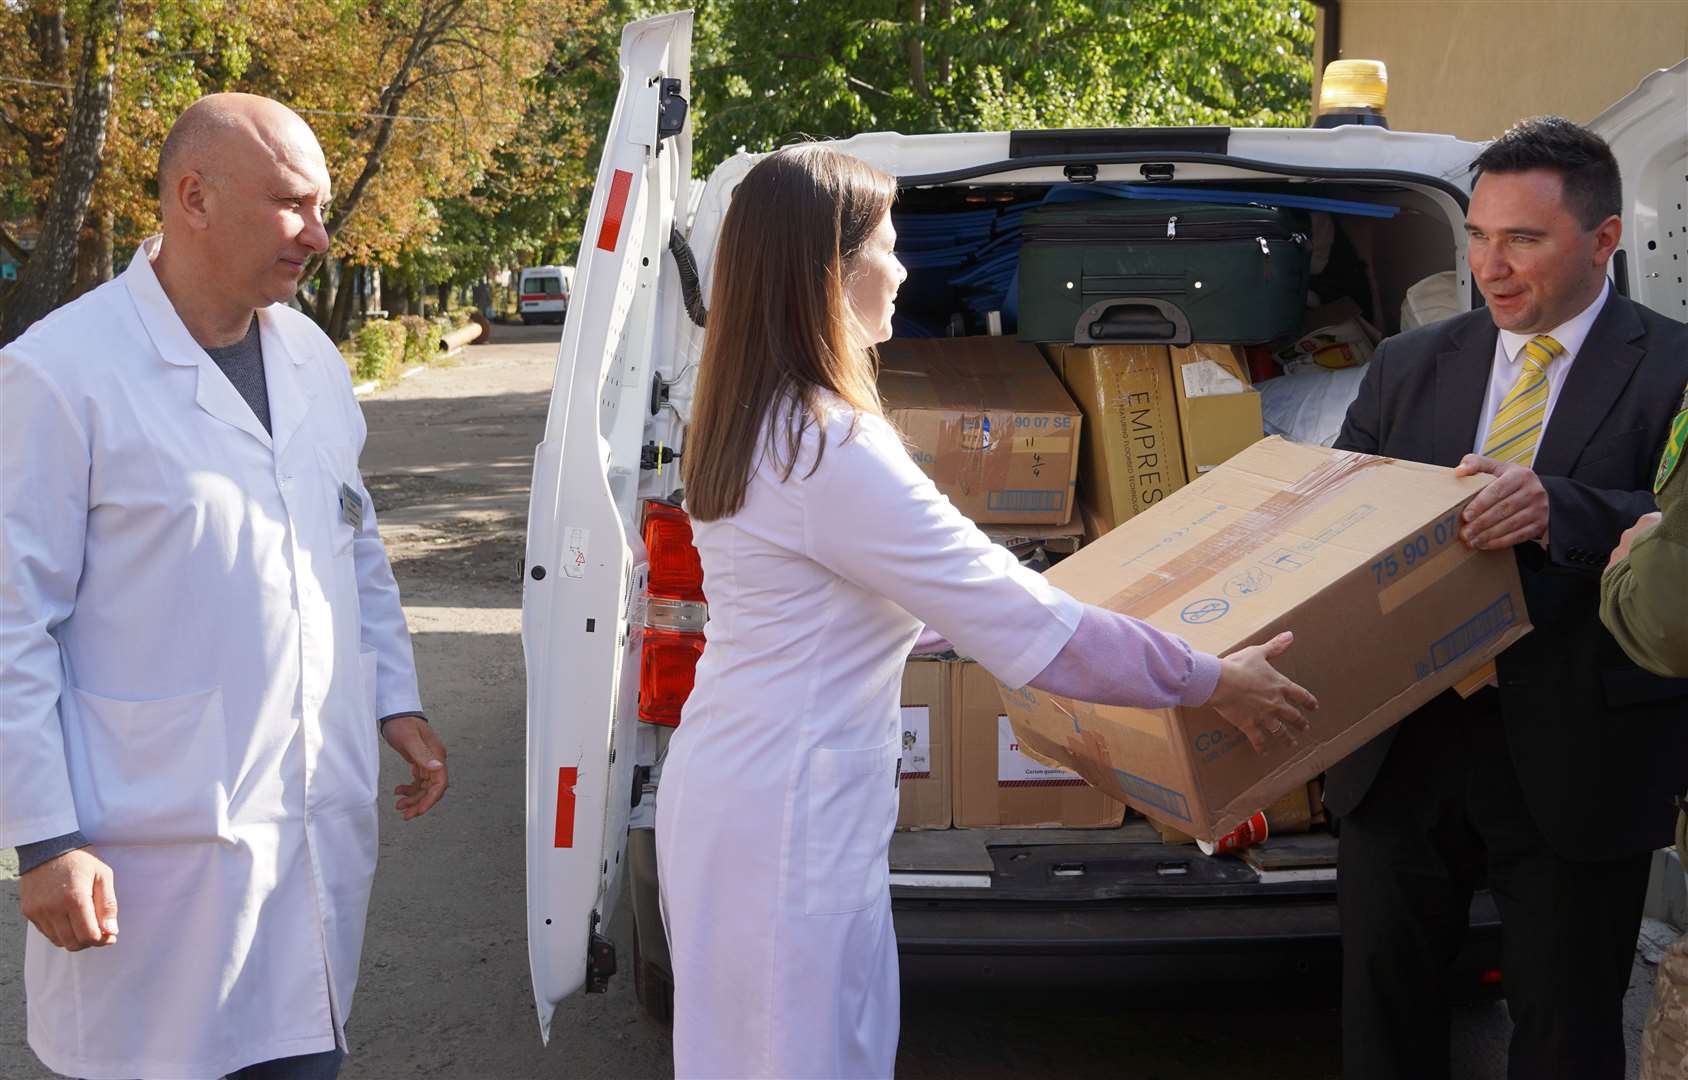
point(1473, 67)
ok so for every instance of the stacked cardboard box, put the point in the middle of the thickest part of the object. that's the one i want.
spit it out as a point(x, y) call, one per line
point(1155, 418)
point(999, 786)
point(923, 783)
point(988, 422)
point(1218, 410)
point(1131, 455)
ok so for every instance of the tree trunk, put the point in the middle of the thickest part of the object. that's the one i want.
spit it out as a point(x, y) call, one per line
point(324, 293)
point(86, 244)
point(445, 298)
point(946, 15)
point(105, 254)
point(48, 275)
point(93, 251)
point(917, 50)
point(342, 303)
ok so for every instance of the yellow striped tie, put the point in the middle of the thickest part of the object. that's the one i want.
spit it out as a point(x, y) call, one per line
point(1517, 428)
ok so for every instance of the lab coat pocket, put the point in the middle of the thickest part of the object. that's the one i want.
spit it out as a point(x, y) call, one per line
point(340, 474)
point(852, 802)
point(150, 772)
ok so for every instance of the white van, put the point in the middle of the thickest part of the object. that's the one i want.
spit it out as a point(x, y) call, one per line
point(612, 608)
point(543, 293)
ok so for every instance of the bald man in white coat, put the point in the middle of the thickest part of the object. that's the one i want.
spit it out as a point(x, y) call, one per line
point(200, 638)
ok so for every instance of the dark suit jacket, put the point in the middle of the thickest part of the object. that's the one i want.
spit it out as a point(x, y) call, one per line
point(1600, 746)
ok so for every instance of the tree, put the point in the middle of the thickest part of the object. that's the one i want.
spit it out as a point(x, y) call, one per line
point(409, 100)
point(408, 97)
point(769, 71)
point(530, 205)
point(47, 275)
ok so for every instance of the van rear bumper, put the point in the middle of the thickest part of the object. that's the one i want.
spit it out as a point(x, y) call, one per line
point(1253, 940)
point(1169, 947)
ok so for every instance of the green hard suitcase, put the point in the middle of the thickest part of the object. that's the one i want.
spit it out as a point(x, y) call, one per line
point(1162, 273)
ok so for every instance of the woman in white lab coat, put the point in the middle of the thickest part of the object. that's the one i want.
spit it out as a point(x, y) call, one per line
point(825, 549)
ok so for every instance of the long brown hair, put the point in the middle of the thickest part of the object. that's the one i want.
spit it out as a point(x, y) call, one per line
point(779, 334)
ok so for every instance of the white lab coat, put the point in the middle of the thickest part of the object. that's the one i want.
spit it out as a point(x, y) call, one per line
point(194, 649)
point(778, 795)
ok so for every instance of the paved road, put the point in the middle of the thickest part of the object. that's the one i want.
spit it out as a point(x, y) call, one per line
point(444, 988)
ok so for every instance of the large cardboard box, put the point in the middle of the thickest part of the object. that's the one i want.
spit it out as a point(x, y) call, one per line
point(998, 786)
point(923, 782)
point(1218, 410)
point(988, 422)
point(1358, 555)
point(1132, 455)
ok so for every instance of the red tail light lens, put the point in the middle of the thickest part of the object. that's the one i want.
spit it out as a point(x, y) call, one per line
point(674, 615)
point(667, 669)
point(675, 571)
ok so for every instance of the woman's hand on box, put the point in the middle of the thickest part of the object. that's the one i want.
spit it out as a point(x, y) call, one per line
point(1255, 698)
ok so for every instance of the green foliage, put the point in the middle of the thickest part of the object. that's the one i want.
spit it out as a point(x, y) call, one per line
point(421, 342)
point(766, 72)
point(379, 346)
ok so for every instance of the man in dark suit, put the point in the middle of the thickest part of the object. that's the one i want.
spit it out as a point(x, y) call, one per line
point(1553, 785)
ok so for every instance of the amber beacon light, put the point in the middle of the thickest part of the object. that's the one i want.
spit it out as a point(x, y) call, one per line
point(1353, 92)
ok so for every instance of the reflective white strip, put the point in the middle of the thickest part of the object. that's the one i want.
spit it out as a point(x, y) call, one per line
point(675, 614)
point(1286, 877)
point(940, 881)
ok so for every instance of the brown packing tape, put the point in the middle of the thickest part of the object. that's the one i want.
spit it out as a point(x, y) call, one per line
point(1483, 676)
point(1252, 531)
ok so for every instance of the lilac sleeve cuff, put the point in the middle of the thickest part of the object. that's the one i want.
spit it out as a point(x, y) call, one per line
point(1115, 659)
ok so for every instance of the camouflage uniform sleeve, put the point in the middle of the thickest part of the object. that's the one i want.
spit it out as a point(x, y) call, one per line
point(1644, 598)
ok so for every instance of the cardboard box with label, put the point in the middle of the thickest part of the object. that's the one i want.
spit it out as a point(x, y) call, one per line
point(1131, 454)
point(1358, 555)
point(1218, 409)
point(988, 422)
point(923, 783)
point(998, 786)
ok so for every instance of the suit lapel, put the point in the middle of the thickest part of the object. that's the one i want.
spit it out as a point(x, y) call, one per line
point(1598, 375)
point(1462, 385)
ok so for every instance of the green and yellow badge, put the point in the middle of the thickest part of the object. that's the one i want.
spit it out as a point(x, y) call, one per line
point(1673, 446)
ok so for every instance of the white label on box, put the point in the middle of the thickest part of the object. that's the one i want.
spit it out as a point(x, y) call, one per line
point(1014, 769)
point(917, 742)
point(1205, 378)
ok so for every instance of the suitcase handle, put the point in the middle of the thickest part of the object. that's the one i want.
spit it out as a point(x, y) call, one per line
point(1132, 320)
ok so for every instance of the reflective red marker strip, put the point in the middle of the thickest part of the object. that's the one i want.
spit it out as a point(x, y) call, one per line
point(565, 807)
point(620, 184)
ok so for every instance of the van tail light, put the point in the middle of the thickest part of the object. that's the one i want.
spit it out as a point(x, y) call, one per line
point(676, 572)
point(675, 612)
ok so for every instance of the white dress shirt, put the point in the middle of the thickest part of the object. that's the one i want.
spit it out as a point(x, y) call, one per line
point(1508, 365)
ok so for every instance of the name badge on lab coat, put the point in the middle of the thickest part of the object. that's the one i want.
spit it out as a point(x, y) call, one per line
point(351, 506)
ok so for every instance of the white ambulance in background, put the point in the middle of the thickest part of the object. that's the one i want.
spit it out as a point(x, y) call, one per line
point(613, 606)
point(543, 293)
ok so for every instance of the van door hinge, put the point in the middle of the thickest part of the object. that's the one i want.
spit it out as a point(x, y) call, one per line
point(670, 110)
point(600, 960)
